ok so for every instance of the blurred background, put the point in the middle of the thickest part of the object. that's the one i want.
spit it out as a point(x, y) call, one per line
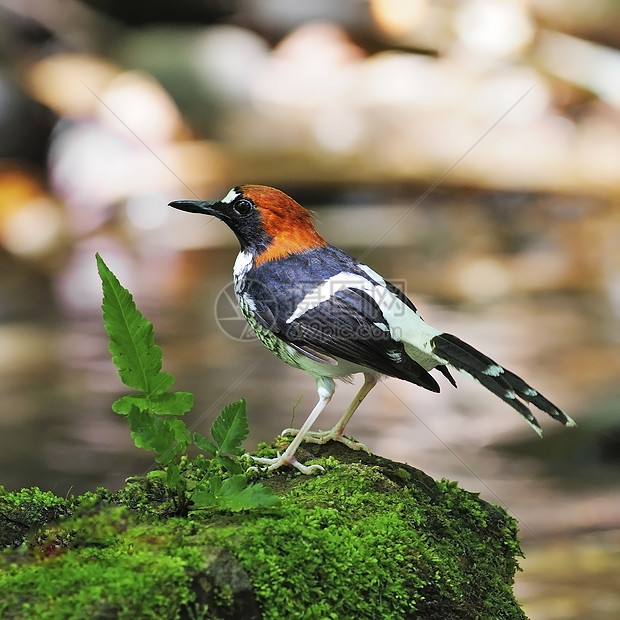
point(469, 150)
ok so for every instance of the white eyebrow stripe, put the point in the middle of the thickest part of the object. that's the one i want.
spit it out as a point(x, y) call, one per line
point(232, 195)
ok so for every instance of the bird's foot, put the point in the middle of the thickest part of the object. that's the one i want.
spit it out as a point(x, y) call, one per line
point(323, 437)
point(280, 460)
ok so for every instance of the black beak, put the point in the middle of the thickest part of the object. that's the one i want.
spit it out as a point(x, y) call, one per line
point(206, 207)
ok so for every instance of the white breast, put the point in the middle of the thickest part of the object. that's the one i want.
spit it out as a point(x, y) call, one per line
point(242, 265)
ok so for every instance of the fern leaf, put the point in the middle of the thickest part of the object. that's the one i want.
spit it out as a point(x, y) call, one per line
point(167, 436)
point(230, 428)
point(233, 494)
point(134, 352)
point(200, 441)
point(236, 495)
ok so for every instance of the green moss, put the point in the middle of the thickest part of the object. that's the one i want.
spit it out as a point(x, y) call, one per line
point(367, 539)
point(334, 513)
point(28, 509)
point(117, 581)
point(421, 551)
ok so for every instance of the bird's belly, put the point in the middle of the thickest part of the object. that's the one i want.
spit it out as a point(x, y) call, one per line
point(344, 369)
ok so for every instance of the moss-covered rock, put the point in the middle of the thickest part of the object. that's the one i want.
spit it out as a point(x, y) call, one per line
point(369, 538)
point(27, 510)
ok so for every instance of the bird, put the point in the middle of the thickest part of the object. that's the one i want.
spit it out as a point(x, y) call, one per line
point(321, 310)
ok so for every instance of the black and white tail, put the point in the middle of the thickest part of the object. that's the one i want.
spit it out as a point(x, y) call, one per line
point(505, 384)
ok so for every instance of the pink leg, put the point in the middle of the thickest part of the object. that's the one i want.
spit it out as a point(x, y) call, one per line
point(337, 432)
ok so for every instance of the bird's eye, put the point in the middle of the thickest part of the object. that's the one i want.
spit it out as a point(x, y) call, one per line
point(242, 206)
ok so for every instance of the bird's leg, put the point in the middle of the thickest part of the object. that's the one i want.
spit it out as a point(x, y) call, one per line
point(337, 432)
point(325, 389)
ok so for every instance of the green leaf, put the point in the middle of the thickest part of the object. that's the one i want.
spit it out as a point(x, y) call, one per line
point(126, 403)
point(228, 463)
point(230, 428)
point(203, 498)
point(235, 495)
point(204, 444)
point(255, 496)
point(132, 345)
point(232, 486)
point(155, 474)
point(205, 494)
point(174, 479)
point(221, 460)
point(172, 403)
point(168, 437)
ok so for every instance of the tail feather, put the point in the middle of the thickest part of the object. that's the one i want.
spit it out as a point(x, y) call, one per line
point(503, 383)
point(530, 395)
point(446, 373)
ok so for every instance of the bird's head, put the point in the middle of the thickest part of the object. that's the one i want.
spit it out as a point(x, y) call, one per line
point(266, 221)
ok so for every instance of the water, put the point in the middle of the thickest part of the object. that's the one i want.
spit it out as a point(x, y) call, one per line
point(532, 287)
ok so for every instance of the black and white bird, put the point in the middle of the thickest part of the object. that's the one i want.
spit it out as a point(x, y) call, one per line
point(321, 310)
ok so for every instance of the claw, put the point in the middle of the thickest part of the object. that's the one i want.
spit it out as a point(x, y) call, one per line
point(322, 437)
point(279, 461)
